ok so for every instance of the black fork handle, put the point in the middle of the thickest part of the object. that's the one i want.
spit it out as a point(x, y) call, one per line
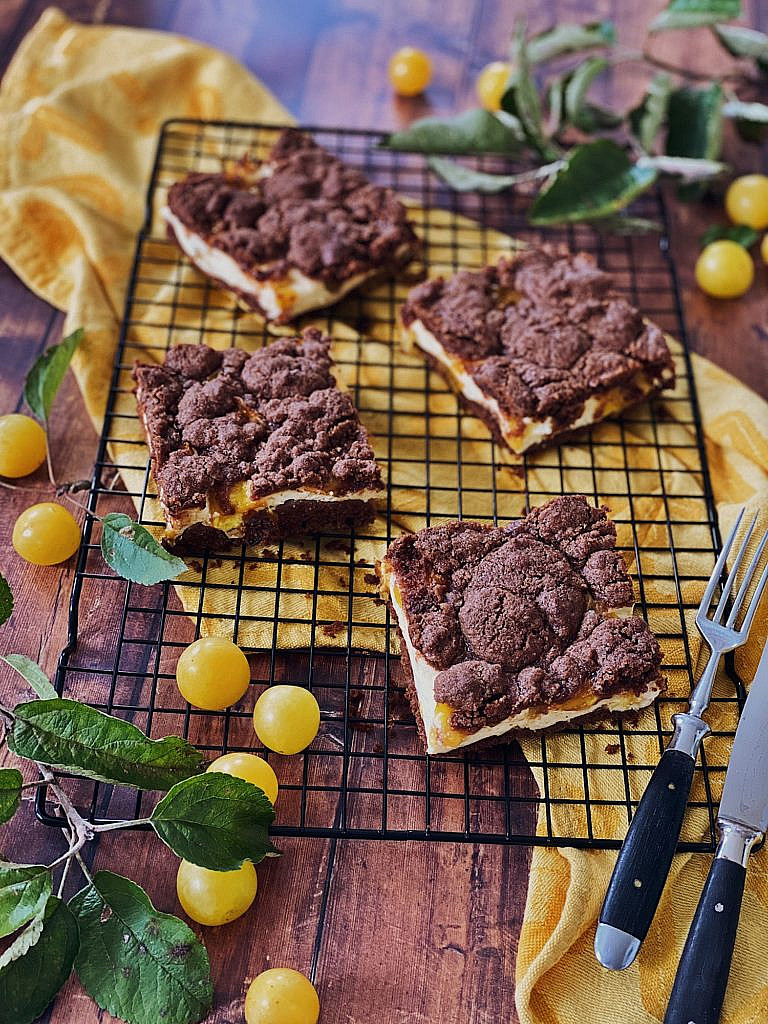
point(646, 855)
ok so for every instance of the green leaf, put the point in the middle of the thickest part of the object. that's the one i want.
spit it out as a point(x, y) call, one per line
point(751, 119)
point(757, 112)
point(24, 940)
point(6, 600)
point(732, 232)
point(138, 964)
point(646, 119)
point(522, 99)
point(570, 38)
point(685, 167)
point(695, 128)
point(73, 737)
point(30, 982)
point(133, 553)
point(47, 373)
point(744, 42)
point(467, 179)
point(693, 13)
point(474, 131)
point(24, 891)
point(597, 180)
point(11, 781)
point(622, 224)
point(695, 122)
point(215, 820)
point(32, 672)
point(556, 102)
point(596, 118)
point(585, 116)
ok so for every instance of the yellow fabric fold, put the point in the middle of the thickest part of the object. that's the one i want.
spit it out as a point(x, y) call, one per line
point(558, 980)
point(80, 109)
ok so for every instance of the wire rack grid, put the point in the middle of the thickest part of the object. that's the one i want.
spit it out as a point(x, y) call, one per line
point(307, 611)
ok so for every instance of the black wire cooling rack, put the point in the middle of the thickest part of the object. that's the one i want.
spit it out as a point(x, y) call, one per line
point(366, 774)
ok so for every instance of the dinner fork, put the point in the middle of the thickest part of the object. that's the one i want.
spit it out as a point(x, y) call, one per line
point(646, 854)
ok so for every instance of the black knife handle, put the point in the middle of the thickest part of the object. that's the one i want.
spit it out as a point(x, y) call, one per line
point(702, 975)
point(645, 857)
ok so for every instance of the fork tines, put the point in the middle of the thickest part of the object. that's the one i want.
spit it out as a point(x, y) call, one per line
point(702, 616)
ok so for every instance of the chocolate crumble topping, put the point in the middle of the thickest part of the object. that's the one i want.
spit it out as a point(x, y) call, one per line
point(540, 332)
point(515, 616)
point(311, 212)
point(274, 418)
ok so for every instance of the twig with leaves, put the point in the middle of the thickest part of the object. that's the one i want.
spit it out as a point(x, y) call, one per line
point(594, 161)
point(128, 548)
point(109, 932)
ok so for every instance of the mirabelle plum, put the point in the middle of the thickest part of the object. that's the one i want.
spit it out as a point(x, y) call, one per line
point(746, 201)
point(46, 534)
point(286, 718)
point(491, 84)
point(215, 897)
point(281, 996)
point(212, 673)
point(22, 445)
point(410, 71)
point(251, 767)
point(724, 269)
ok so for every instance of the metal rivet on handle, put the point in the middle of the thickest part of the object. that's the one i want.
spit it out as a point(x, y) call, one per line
point(719, 908)
point(638, 884)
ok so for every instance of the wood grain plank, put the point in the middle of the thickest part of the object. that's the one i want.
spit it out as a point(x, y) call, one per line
point(422, 935)
point(38, 625)
point(280, 929)
point(414, 932)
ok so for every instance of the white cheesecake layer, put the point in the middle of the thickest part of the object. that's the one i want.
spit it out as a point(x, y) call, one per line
point(522, 433)
point(232, 524)
point(284, 297)
point(441, 738)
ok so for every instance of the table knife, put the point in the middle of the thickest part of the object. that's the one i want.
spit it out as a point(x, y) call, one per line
point(702, 975)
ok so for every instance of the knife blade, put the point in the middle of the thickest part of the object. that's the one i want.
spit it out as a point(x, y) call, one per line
point(745, 791)
point(702, 975)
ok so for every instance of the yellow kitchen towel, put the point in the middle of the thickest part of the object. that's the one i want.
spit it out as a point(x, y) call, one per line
point(80, 109)
point(558, 980)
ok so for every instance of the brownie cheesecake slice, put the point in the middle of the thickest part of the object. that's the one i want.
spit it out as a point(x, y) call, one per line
point(254, 447)
point(538, 345)
point(522, 627)
point(293, 233)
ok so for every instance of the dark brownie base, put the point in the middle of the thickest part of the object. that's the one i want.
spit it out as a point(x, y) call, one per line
point(481, 413)
point(294, 518)
point(593, 718)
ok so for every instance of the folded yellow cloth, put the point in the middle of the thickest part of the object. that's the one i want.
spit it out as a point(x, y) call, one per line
point(80, 109)
point(558, 980)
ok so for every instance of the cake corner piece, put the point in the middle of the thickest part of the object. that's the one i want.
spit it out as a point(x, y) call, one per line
point(254, 447)
point(526, 627)
point(538, 345)
point(291, 234)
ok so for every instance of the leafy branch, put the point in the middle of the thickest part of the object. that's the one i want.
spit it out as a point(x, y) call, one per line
point(109, 932)
point(593, 160)
point(128, 548)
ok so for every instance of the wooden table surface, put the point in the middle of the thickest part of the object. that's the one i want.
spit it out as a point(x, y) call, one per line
point(395, 932)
